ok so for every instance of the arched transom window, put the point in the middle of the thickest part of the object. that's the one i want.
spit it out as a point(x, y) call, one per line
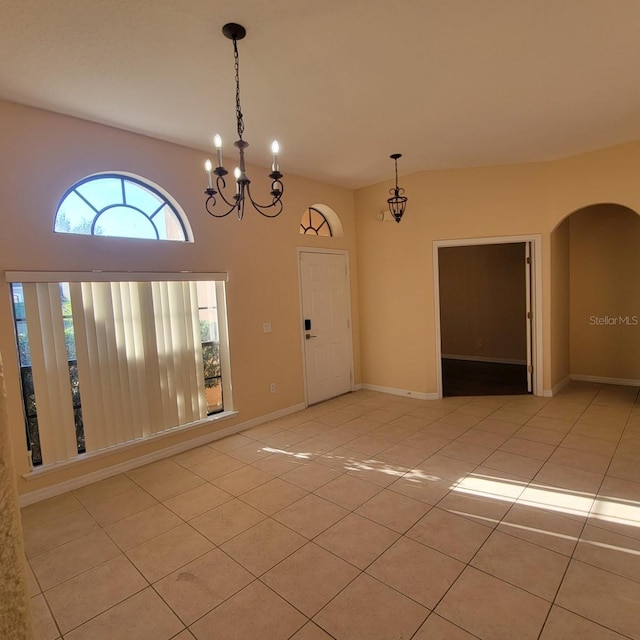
point(314, 222)
point(121, 205)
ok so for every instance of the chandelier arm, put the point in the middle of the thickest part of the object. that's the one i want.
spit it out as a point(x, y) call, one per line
point(211, 200)
point(221, 185)
point(209, 206)
point(277, 201)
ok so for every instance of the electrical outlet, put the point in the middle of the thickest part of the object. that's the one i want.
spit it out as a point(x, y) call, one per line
point(272, 387)
point(266, 328)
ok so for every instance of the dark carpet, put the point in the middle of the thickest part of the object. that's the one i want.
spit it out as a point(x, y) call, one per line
point(471, 378)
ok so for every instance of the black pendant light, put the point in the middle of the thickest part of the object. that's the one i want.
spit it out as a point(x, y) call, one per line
point(398, 202)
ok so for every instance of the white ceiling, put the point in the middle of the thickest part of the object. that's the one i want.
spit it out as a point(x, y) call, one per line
point(341, 84)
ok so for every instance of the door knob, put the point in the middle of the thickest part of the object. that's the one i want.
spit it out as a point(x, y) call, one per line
point(308, 336)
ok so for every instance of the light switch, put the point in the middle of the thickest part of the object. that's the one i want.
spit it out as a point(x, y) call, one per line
point(266, 327)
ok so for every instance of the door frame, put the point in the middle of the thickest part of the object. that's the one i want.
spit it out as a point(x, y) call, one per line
point(342, 252)
point(536, 300)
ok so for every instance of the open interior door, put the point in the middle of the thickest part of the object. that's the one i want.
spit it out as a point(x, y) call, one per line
point(529, 318)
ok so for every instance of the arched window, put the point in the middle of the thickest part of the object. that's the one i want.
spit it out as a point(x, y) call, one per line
point(315, 223)
point(123, 206)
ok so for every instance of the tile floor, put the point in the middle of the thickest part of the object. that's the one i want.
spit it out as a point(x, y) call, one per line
point(366, 517)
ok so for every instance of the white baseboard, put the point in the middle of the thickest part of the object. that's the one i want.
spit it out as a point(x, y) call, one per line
point(482, 359)
point(356, 387)
point(88, 478)
point(401, 392)
point(549, 393)
point(625, 382)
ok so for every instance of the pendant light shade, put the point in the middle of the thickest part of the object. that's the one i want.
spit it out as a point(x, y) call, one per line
point(397, 202)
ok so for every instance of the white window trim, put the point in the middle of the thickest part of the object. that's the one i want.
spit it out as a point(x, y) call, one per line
point(186, 225)
point(114, 276)
point(47, 469)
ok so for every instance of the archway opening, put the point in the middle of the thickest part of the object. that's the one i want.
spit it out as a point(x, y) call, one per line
point(595, 296)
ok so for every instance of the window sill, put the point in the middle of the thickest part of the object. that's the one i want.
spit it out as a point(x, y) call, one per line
point(45, 470)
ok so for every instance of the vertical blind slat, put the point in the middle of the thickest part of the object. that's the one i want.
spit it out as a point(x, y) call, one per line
point(50, 372)
point(106, 329)
point(198, 399)
point(84, 329)
point(135, 360)
point(152, 365)
point(161, 314)
point(121, 356)
point(177, 329)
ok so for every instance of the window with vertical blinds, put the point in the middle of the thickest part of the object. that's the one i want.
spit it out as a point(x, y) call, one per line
point(108, 359)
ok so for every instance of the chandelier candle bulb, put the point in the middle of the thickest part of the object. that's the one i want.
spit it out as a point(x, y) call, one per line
point(208, 167)
point(275, 149)
point(236, 174)
point(217, 143)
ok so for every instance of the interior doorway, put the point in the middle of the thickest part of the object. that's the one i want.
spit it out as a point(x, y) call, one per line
point(325, 323)
point(487, 324)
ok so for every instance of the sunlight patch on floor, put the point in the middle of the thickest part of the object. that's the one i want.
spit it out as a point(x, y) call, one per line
point(293, 454)
point(554, 499)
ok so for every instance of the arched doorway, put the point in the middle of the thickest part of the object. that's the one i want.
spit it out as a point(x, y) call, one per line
point(595, 296)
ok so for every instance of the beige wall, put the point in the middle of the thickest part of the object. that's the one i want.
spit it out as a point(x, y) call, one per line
point(483, 301)
point(605, 296)
point(560, 308)
point(395, 261)
point(42, 154)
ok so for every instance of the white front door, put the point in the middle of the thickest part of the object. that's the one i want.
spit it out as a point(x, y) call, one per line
point(326, 324)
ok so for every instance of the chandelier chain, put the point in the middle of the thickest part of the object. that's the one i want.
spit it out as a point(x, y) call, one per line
point(236, 66)
point(396, 191)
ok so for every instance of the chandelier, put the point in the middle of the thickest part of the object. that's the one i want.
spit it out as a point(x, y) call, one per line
point(237, 201)
point(398, 202)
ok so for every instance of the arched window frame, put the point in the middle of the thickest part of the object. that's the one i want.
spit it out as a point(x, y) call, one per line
point(309, 229)
point(332, 218)
point(165, 200)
